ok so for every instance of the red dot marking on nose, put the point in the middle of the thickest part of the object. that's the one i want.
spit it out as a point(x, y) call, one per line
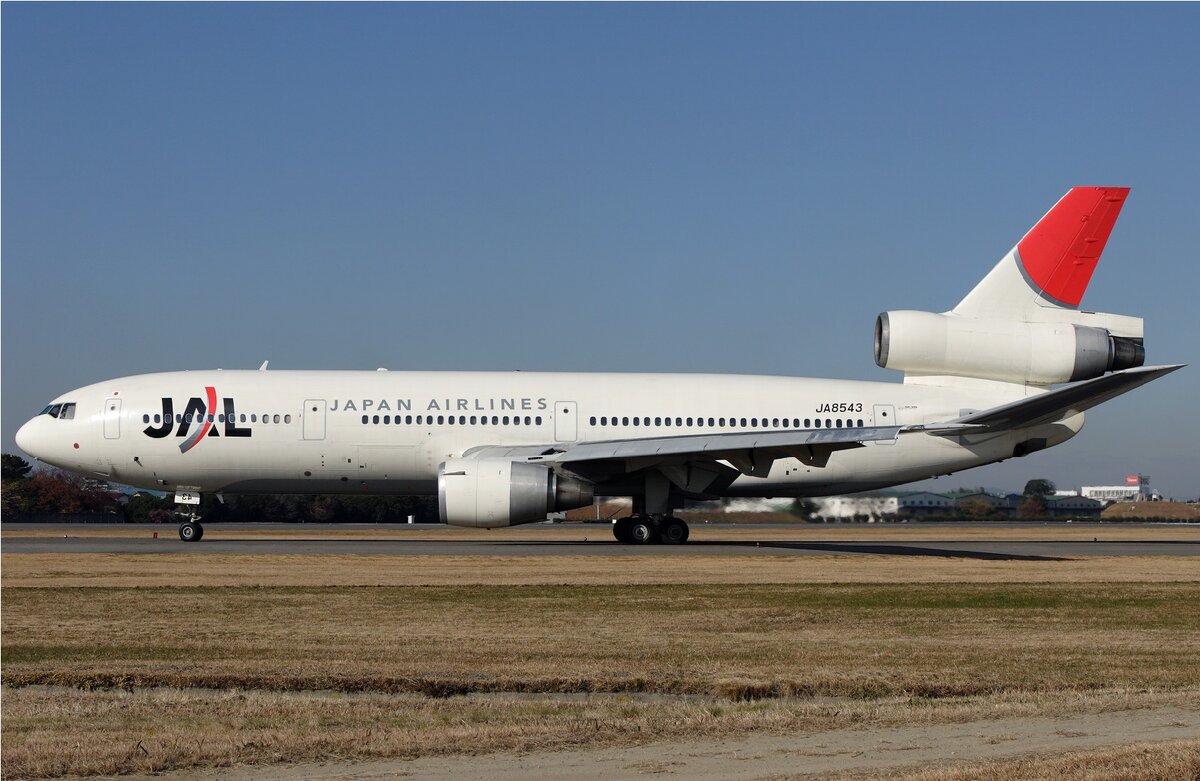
point(76, 445)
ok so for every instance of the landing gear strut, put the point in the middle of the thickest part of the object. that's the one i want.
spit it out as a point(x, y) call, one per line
point(648, 529)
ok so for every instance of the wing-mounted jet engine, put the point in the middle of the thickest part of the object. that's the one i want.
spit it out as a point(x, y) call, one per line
point(492, 492)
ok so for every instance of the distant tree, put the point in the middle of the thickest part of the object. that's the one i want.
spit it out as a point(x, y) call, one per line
point(51, 491)
point(976, 509)
point(147, 508)
point(1032, 507)
point(1039, 487)
point(14, 467)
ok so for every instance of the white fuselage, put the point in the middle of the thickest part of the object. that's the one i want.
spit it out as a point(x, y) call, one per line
point(386, 432)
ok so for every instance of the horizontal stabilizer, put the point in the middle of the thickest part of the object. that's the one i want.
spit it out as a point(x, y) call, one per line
point(1052, 405)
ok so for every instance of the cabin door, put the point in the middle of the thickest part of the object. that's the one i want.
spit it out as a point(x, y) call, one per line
point(112, 419)
point(566, 427)
point(314, 419)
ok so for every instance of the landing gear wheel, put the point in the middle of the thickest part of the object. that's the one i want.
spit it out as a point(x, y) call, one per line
point(674, 531)
point(621, 530)
point(642, 532)
point(190, 531)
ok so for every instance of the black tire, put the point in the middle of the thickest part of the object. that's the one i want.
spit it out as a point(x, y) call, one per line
point(674, 532)
point(621, 530)
point(190, 531)
point(642, 533)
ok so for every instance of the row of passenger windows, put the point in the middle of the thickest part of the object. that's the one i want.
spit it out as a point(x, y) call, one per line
point(727, 422)
point(221, 418)
point(451, 420)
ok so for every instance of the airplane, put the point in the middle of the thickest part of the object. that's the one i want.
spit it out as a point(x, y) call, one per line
point(1007, 372)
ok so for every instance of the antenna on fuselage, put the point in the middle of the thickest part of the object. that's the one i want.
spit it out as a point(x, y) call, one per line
point(263, 368)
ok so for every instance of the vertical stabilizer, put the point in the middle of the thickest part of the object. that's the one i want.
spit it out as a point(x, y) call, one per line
point(1051, 266)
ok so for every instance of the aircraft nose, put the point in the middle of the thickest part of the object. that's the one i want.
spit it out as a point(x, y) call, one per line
point(27, 438)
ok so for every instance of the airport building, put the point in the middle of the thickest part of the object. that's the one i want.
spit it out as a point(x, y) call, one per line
point(1136, 489)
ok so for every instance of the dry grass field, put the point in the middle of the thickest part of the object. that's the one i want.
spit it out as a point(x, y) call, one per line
point(142, 663)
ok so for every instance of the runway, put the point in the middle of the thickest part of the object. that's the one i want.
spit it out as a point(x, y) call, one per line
point(587, 540)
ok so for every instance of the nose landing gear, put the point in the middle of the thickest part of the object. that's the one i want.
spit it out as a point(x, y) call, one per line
point(186, 506)
point(190, 530)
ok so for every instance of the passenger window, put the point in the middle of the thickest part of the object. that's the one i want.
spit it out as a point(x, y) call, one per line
point(157, 416)
point(624, 421)
point(774, 422)
point(678, 421)
point(817, 423)
point(254, 418)
point(473, 419)
point(505, 420)
point(408, 419)
point(658, 421)
point(637, 421)
point(374, 420)
point(386, 419)
point(603, 420)
point(243, 417)
point(526, 420)
point(287, 418)
point(450, 420)
point(441, 419)
point(753, 422)
point(146, 419)
point(592, 420)
point(827, 423)
point(666, 421)
point(210, 417)
point(689, 422)
point(364, 420)
point(838, 422)
point(860, 423)
point(538, 420)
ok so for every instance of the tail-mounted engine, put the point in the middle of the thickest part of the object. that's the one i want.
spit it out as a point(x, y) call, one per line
point(1038, 353)
point(491, 492)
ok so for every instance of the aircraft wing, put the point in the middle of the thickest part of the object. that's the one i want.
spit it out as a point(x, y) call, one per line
point(696, 461)
point(1050, 406)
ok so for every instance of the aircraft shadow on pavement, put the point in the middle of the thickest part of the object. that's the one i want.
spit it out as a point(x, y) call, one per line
point(866, 548)
point(881, 549)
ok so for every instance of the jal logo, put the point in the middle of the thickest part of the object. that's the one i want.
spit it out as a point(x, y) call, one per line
point(198, 420)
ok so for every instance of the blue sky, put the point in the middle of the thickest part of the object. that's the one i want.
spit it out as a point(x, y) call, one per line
point(733, 188)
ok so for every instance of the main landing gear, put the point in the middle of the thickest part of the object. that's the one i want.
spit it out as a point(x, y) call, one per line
point(648, 529)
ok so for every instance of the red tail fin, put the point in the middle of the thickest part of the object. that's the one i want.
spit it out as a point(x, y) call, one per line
point(1059, 254)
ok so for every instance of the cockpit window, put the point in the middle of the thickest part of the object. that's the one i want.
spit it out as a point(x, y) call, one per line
point(60, 411)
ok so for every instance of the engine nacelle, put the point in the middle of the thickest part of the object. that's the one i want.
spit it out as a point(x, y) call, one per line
point(491, 492)
point(1037, 353)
